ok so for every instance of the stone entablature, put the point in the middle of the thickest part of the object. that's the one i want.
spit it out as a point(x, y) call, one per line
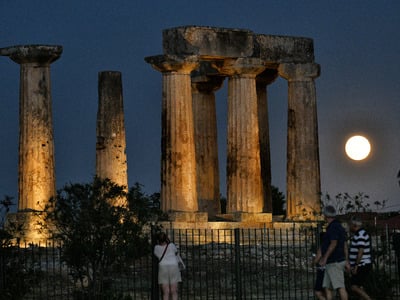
point(208, 42)
point(250, 61)
point(213, 43)
point(276, 49)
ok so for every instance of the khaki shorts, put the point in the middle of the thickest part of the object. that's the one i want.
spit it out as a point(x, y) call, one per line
point(334, 275)
point(169, 274)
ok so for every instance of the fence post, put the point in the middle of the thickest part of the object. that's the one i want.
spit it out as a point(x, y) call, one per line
point(238, 274)
point(155, 290)
point(396, 246)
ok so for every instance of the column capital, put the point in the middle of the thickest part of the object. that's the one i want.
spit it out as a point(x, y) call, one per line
point(299, 72)
point(173, 63)
point(41, 54)
point(243, 66)
point(267, 77)
point(206, 79)
point(207, 84)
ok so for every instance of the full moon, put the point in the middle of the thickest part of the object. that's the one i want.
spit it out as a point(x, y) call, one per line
point(357, 147)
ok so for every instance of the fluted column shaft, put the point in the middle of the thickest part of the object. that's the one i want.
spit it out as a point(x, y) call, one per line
point(244, 183)
point(36, 168)
point(262, 80)
point(178, 165)
point(205, 133)
point(303, 173)
point(111, 159)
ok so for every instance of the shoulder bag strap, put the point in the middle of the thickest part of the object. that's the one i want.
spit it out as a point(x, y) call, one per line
point(162, 256)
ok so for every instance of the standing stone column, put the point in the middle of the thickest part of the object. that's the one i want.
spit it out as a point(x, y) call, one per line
point(244, 182)
point(262, 80)
point(111, 159)
point(178, 165)
point(36, 174)
point(303, 173)
point(205, 134)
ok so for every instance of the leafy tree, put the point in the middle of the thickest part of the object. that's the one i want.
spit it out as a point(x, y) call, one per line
point(278, 201)
point(5, 206)
point(346, 203)
point(12, 230)
point(96, 235)
point(147, 208)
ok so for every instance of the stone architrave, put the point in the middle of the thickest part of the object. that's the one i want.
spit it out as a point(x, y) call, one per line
point(277, 49)
point(244, 182)
point(262, 80)
point(205, 133)
point(111, 161)
point(178, 170)
point(209, 43)
point(303, 175)
point(36, 168)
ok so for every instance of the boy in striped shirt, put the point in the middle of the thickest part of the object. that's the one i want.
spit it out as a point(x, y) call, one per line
point(359, 257)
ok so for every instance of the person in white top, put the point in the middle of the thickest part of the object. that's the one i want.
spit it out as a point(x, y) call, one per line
point(168, 270)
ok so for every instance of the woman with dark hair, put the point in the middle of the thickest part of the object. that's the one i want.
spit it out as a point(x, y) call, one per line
point(168, 270)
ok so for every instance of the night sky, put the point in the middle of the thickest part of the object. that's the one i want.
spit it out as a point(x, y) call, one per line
point(357, 44)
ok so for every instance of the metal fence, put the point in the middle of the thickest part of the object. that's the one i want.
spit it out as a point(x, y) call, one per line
point(220, 264)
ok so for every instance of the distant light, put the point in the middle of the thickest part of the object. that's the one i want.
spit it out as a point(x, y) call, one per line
point(358, 147)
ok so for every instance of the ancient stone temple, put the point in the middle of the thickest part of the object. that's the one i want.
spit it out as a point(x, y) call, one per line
point(111, 161)
point(36, 168)
point(194, 63)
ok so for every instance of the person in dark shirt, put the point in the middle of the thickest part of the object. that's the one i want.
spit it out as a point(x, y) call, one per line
point(334, 255)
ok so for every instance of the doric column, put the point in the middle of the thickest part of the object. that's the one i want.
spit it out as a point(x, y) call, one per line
point(205, 133)
point(111, 159)
point(244, 183)
point(303, 174)
point(178, 165)
point(36, 174)
point(262, 80)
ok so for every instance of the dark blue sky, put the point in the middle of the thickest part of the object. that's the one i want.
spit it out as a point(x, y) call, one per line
point(357, 44)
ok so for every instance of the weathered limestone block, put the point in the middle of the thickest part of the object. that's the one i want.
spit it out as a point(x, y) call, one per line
point(252, 218)
point(303, 174)
point(178, 166)
point(36, 170)
point(208, 42)
point(188, 217)
point(111, 161)
point(281, 49)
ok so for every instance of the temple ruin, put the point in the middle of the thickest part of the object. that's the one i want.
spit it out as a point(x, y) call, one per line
point(194, 63)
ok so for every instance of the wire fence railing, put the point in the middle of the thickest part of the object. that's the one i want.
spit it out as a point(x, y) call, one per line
point(258, 263)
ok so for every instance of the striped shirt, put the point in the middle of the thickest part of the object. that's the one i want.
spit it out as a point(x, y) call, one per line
point(360, 240)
